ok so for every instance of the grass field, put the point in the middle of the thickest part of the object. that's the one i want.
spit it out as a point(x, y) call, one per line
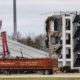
point(39, 78)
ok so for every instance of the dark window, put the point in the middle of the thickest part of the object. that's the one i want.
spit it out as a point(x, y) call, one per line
point(68, 41)
point(55, 24)
point(47, 43)
point(68, 53)
point(67, 24)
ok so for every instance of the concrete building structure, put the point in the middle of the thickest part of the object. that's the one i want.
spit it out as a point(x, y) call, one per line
point(63, 31)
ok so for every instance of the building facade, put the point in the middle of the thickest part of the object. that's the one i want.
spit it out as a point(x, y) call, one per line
point(63, 38)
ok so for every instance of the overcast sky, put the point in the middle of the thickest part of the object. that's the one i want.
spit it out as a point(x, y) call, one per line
point(29, 18)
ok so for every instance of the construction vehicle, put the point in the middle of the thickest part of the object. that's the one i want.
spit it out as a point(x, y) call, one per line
point(25, 65)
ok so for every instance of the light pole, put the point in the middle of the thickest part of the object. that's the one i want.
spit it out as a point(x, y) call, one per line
point(14, 20)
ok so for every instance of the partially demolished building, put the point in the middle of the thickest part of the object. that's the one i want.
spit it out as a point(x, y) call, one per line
point(63, 38)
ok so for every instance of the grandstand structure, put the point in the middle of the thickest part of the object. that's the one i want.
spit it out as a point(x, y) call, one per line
point(19, 50)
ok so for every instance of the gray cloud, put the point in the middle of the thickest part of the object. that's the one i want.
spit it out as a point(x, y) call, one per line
point(29, 19)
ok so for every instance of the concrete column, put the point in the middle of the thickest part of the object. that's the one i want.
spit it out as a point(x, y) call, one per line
point(72, 53)
point(63, 41)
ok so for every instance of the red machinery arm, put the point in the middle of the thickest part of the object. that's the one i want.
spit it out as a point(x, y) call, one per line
point(4, 44)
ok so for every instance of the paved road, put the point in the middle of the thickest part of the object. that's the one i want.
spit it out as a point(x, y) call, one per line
point(75, 75)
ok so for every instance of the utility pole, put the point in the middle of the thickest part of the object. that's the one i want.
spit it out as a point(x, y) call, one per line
point(14, 20)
